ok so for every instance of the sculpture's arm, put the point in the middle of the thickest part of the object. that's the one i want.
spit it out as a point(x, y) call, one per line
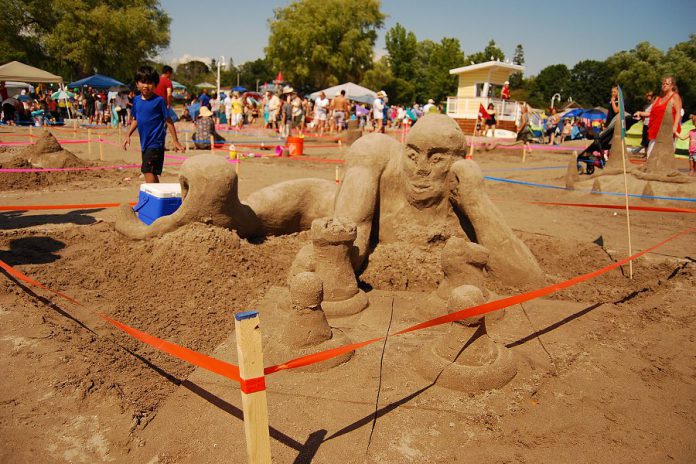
point(510, 259)
point(356, 201)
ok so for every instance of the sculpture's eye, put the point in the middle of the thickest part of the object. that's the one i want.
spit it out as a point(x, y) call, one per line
point(436, 158)
point(412, 155)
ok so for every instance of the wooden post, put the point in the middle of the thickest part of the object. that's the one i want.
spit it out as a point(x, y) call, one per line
point(186, 141)
point(89, 141)
point(628, 214)
point(254, 404)
point(212, 144)
point(236, 166)
point(101, 149)
point(338, 181)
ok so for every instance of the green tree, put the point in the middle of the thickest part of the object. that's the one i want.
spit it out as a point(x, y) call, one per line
point(433, 78)
point(680, 62)
point(193, 72)
point(318, 43)
point(380, 77)
point(490, 53)
point(590, 83)
point(75, 38)
point(551, 80)
point(636, 71)
point(403, 49)
point(255, 71)
point(517, 79)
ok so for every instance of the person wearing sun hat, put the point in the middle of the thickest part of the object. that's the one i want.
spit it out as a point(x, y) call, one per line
point(205, 127)
point(505, 92)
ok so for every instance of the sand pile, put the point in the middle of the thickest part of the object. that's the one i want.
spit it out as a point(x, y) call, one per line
point(182, 287)
point(48, 153)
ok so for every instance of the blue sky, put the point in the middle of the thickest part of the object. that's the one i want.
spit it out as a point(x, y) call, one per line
point(551, 32)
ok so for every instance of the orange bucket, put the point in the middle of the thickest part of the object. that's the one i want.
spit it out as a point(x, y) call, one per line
point(295, 146)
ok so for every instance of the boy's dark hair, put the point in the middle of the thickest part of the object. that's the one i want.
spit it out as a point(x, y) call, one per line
point(167, 69)
point(147, 75)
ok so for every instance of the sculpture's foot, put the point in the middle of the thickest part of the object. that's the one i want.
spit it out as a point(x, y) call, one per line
point(468, 364)
point(276, 352)
point(348, 307)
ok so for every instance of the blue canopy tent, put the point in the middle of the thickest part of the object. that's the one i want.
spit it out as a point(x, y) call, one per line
point(98, 81)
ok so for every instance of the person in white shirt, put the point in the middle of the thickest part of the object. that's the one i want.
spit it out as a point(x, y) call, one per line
point(321, 108)
point(378, 111)
point(228, 110)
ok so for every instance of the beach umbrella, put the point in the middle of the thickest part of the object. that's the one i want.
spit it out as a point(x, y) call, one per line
point(62, 95)
point(239, 88)
point(177, 85)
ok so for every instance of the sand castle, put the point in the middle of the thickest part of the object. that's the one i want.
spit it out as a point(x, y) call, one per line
point(419, 194)
point(658, 176)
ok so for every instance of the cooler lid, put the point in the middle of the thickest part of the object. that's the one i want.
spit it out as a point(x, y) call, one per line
point(172, 190)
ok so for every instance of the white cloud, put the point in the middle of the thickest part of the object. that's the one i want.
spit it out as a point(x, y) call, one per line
point(187, 58)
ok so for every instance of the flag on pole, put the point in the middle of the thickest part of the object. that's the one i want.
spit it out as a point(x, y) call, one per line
point(622, 114)
point(483, 114)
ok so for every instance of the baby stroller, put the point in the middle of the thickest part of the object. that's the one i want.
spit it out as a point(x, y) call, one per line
point(592, 160)
point(594, 156)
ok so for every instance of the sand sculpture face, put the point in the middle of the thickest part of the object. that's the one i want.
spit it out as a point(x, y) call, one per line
point(430, 151)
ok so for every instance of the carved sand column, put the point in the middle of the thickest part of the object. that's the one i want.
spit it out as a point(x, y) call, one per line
point(307, 330)
point(661, 158)
point(466, 358)
point(332, 239)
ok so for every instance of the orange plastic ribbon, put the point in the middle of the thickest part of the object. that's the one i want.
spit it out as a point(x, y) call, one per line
point(257, 384)
point(254, 385)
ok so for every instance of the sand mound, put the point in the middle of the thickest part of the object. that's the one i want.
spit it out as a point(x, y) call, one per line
point(48, 153)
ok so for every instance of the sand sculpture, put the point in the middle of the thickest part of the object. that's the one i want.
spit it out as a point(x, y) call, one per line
point(306, 330)
point(466, 358)
point(209, 192)
point(48, 153)
point(658, 176)
point(426, 191)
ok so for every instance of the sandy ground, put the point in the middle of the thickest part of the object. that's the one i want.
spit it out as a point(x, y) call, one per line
point(606, 369)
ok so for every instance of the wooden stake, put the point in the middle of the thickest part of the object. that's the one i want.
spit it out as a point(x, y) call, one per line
point(89, 141)
point(254, 403)
point(524, 151)
point(338, 181)
point(628, 214)
point(101, 149)
point(186, 146)
point(236, 166)
point(212, 144)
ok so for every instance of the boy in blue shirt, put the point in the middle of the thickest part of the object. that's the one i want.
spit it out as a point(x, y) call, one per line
point(150, 116)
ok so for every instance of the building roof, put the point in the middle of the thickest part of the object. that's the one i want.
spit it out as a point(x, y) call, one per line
point(488, 64)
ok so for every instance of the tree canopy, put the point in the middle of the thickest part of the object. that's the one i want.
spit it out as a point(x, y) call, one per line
point(319, 43)
point(79, 38)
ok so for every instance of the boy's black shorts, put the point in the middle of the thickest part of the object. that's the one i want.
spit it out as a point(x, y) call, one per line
point(153, 161)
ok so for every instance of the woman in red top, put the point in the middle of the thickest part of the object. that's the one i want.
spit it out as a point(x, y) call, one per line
point(670, 92)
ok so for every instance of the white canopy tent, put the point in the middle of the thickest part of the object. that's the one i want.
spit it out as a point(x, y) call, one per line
point(353, 92)
point(16, 71)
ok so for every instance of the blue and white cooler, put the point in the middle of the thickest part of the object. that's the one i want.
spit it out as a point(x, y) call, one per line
point(157, 200)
